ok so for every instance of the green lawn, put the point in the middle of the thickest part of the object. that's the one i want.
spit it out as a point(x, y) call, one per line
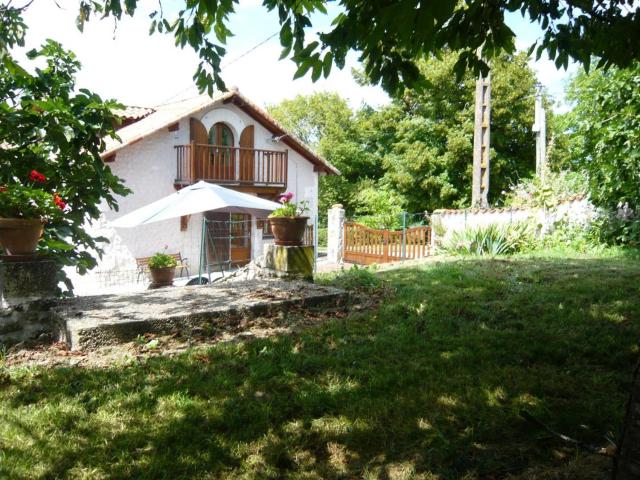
point(429, 386)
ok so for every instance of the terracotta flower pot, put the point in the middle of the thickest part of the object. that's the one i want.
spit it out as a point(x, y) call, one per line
point(288, 231)
point(20, 236)
point(162, 277)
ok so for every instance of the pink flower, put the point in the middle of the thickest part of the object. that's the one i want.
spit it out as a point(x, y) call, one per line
point(286, 197)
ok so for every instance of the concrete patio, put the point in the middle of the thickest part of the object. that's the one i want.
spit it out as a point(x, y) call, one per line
point(95, 321)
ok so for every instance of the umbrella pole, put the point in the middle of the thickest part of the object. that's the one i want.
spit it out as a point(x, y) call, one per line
point(202, 240)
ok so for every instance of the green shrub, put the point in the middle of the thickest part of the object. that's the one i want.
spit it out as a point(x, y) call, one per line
point(571, 236)
point(617, 228)
point(361, 279)
point(556, 188)
point(378, 207)
point(162, 260)
point(491, 240)
point(322, 237)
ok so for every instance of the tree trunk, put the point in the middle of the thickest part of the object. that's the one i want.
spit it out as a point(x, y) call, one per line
point(626, 465)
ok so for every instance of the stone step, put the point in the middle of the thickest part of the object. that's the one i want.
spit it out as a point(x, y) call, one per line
point(91, 322)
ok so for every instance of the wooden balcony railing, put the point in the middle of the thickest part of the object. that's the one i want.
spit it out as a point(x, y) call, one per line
point(230, 165)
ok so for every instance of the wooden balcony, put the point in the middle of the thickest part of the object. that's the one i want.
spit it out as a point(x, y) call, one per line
point(231, 166)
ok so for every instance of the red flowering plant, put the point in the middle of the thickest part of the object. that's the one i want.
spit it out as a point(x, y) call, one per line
point(31, 199)
point(289, 208)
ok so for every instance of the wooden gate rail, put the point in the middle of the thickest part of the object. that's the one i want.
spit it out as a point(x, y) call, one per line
point(308, 236)
point(364, 245)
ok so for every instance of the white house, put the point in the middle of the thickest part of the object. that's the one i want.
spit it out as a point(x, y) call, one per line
point(226, 140)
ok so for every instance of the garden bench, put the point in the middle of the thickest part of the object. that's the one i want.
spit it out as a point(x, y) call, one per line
point(181, 263)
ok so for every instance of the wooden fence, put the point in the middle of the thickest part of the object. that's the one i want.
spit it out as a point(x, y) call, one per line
point(308, 236)
point(364, 246)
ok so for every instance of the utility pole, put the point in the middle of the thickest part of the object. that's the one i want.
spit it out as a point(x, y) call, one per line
point(540, 129)
point(481, 143)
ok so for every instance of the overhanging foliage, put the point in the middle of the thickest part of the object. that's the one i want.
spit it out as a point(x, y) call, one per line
point(48, 125)
point(390, 36)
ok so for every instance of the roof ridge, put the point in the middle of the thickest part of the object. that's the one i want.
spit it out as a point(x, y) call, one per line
point(202, 96)
point(126, 105)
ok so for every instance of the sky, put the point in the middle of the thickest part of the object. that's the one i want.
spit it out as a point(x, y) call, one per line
point(126, 63)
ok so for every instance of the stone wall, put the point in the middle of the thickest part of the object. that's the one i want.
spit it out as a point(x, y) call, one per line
point(29, 321)
point(28, 290)
point(578, 210)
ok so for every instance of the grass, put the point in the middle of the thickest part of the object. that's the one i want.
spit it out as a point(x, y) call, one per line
point(429, 386)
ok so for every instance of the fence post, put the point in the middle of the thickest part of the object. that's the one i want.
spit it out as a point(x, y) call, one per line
point(192, 161)
point(202, 246)
point(385, 247)
point(432, 233)
point(315, 243)
point(404, 235)
point(335, 234)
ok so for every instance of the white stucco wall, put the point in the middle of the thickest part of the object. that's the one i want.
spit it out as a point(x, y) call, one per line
point(302, 181)
point(579, 211)
point(148, 168)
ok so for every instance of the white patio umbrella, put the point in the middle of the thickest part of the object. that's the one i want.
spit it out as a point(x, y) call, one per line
point(196, 198)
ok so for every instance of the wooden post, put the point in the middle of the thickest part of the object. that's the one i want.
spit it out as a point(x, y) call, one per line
point(192, 161)
point(286, 166)
point(540, 129)
point(385, 247)
point(481, 143)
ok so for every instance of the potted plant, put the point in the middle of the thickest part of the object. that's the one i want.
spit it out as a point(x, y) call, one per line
point(24, 210)
point(163, 268)
point(288, 223)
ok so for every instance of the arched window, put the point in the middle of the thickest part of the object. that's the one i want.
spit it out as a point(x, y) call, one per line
point(223, 164)
point(220, 134)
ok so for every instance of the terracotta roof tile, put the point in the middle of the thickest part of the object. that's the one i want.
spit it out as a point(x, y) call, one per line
point(134, 113)
point(162, 116)
point(445, 211)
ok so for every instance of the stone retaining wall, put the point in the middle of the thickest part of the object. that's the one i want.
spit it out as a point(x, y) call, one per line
point(29, 321)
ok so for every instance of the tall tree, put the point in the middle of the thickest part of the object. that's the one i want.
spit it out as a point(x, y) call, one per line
point(429, 163)
point(392, 36)
point(605, 128)
point(326, 122)
point(418, 148)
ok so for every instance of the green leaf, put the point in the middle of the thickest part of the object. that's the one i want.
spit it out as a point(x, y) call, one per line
point(316, 72)
point(302, 69)
point(327, 63)
point(286, 35)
